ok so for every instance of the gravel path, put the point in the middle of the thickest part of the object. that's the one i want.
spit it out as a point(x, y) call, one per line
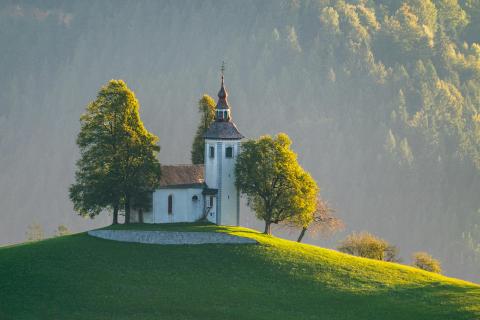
point(169, 237)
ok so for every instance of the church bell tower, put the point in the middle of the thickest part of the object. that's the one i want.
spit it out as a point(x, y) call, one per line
point(222, 146)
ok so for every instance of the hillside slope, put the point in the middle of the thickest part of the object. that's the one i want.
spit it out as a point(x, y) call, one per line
point(380, 97)
point(81, 277)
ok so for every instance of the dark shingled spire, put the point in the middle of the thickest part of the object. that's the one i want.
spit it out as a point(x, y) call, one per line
point(223, 126)
point(222, 94)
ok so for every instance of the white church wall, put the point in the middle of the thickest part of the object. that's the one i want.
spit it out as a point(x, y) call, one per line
point(229, 196)
point(211, 164)
point(184, 208)
point(220, 174)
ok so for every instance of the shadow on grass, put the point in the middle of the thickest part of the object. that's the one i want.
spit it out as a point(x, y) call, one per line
point(81, 277)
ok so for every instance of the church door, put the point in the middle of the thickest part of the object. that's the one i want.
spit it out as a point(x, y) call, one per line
point(170, 208)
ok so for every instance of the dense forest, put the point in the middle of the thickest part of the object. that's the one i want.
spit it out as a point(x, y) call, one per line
point(381, 99)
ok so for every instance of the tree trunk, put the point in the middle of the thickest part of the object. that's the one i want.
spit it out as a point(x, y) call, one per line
point(268, 227)
point(300, 237)
point(140, 215)
point(127, 210)
point(115, 215)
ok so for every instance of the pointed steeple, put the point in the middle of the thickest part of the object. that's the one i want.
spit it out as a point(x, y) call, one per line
point(222, 94)
point(223, 127)
point(222, 103)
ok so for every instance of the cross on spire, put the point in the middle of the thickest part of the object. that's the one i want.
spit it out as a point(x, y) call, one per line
point(222, 94)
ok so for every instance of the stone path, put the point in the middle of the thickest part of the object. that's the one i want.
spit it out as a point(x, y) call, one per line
point(169, 237)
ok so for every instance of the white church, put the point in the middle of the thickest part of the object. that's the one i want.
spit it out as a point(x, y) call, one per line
point(188, 193)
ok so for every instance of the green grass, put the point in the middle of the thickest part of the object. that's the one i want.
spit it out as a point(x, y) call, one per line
point(81, 277)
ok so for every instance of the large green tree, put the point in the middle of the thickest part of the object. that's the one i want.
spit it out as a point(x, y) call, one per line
point(276, 186)
point(206, 108)
point(118, 166)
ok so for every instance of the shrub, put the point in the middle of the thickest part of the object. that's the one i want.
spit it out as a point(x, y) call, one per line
point(366, 245)
point(62, 230)
point(426, 262)
point(35, 232)
point(391, 254)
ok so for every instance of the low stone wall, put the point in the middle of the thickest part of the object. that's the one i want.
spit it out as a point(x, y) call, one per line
point(169, 237)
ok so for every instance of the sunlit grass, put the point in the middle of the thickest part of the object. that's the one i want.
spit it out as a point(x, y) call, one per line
point(81, 277)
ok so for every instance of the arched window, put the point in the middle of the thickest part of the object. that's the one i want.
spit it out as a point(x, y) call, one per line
point(170, 204)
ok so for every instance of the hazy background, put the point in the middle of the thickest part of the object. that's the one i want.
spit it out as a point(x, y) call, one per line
point(326, 73)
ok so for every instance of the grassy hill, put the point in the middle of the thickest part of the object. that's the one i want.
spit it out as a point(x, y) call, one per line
point(81, 277)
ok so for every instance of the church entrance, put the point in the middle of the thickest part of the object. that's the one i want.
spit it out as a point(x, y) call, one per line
point(170, 208)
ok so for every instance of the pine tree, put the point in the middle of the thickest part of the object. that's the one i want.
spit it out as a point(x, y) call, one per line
point(390, 143)
point(406, 152)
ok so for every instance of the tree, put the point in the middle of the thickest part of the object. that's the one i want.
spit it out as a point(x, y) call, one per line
point(276, 186)
point(451, 16)
point(406, 152)
point(426, 262)
point(390, 143)
point(473, 9)
point(117, 154)
point(321, 220)
point(141, 172)
point(206, 107)
point(142, 201)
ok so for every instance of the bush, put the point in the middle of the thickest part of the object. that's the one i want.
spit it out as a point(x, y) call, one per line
point(35, 232)
point(368, 246)
point(391, 254)
point(62, 230)
point(426, 262)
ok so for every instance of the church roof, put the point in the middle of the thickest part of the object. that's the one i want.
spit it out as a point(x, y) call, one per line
point(222, 102)
point(223, 131)
point(182, 175)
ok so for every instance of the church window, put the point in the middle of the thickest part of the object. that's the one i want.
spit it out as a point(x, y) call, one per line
point(225, 115)
point(229, 152)
point(211, 201)
point(212, 152)
point(170, 204)
point(195, 198)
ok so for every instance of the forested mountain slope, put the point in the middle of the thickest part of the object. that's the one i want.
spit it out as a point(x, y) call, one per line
point(381, 99)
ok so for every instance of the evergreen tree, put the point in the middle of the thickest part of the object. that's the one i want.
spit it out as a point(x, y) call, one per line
point(451, 17)
point(406, 152)
point(206, 107)
point(390, 143)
